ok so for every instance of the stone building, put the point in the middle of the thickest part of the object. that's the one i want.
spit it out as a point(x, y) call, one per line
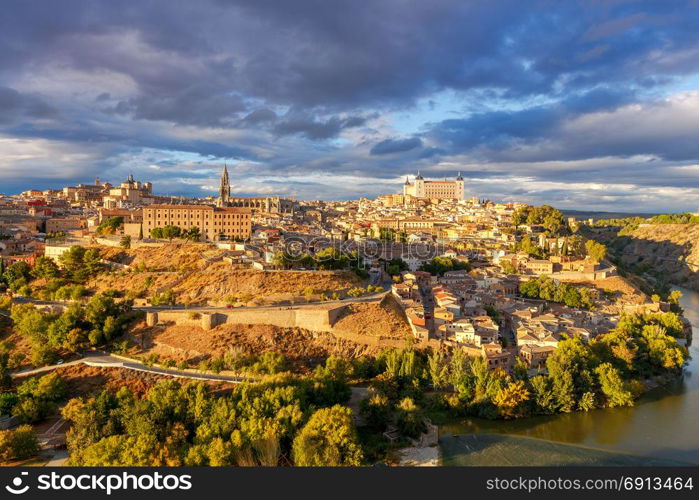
point(214, 223)
point(421, 188)
point(129, 192)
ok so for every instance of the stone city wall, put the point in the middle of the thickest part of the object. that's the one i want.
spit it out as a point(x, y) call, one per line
point(320, 319)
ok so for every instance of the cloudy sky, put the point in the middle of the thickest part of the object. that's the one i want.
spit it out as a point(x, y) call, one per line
point(591, 105)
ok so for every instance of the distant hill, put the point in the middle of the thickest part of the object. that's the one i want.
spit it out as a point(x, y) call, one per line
point(666, 251)
point(581, 214)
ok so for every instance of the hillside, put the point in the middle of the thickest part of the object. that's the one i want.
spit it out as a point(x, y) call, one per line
point(172, 257)
point(667, 250)
point(364, 329)
point(196, 274)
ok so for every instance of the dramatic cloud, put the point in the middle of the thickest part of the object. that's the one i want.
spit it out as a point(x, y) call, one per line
point(15, 107)
point(389, 146)
point(542, 101)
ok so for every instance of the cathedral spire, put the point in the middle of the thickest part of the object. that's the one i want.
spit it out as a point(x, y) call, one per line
point(224, 189)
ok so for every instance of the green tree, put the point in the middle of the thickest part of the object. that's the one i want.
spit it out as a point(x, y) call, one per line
point(18, 444)
point(45, 267)
point(545, 399)
point(511, 400)
point(19, 271)
point(38, 397)
point(193, 234)
point(30, 322)
point(595, 251)
point(81, 263)
point(440, 265)
point(72, 318)
point(530, 288)
point(328, 439)
point(564, 392)
point(571, 366)
point(395, 266)
point(5, 379)
point(409, 418)
point(110, 225)
point(171, 232)
point(508, 267)
point(377, 412)
point(438, 369)
point(613, 386)
point(526, 245)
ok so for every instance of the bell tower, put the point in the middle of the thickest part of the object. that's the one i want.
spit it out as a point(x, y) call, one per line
point(224, 190)
point(419, 185)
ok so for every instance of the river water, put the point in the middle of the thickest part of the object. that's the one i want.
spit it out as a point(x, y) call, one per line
point(664, 424)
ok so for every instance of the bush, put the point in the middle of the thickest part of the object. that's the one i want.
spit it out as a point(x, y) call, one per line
point(167, 298)
point(32, 410)
point(37, 397)
point(18, 444)
point(43, 354)
point(377, 412)
point(328, 439)
point(217, 365)
point(7, 401)
point(410, 421)
point(110, 225)
point(270, 363)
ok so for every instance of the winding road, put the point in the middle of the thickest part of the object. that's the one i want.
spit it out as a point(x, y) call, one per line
point(105, 360)
point(349, 300)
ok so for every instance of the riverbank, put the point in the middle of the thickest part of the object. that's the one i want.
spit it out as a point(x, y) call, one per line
point(662, 425)
point(506, 450)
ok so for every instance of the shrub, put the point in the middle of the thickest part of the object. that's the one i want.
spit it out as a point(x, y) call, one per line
point(328, 439)
point(18, 444)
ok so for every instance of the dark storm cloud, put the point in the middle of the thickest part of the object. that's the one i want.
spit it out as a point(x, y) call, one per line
point(559, 132)
point(314, 127)
point(389, 146)
point(277, 82)
point(432, 152)
point(194, 106)
point(262, 115)
point(336, 54)
point(497, 129)
point(15, 106)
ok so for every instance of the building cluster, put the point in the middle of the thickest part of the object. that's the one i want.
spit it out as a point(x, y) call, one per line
point(482, 312)
point(73, 215)
point(479, 310)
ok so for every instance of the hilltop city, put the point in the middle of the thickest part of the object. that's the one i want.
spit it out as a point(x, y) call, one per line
point(485, 303)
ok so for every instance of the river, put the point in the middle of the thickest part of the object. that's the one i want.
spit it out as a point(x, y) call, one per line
point(663, 425)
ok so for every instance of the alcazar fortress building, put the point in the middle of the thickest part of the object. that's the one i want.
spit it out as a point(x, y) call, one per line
point(420, 188)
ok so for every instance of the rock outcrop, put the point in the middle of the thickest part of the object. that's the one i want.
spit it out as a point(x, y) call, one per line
point(670, 251)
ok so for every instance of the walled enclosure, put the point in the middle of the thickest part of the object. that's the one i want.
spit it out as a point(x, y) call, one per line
point(319, 319)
